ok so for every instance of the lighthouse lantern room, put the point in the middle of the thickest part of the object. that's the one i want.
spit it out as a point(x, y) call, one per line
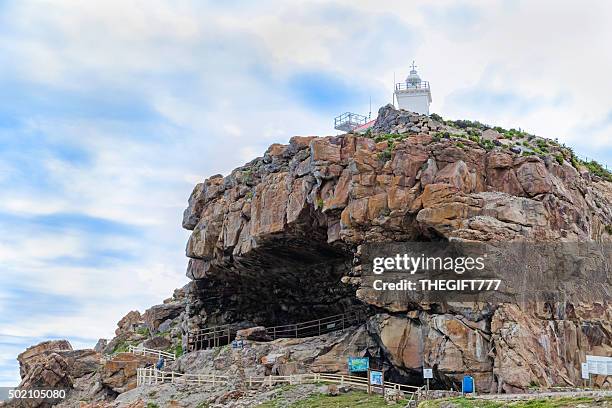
point(414, 94)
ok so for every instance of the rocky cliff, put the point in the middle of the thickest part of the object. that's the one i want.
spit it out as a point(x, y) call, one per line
point(283, 238)
point(278, 240)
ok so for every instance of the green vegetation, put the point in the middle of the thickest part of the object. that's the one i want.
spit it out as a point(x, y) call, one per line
point(249, 195)
point(487, 144)
point(320, 203)
point(247, 176)
point(203, 404)
point(351, 399)
point(124, 346)
point(385, 155)
point(460, 145)
point(437, 117)
point(464, 124)
point(143, 331)
point(152, 405)
point(461, 402)
point(598, 170)
point(390, 137)
point(559, 158)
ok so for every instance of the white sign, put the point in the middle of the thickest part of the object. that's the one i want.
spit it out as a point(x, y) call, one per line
point(427, 373)
point(585, 371)
point(599, 365)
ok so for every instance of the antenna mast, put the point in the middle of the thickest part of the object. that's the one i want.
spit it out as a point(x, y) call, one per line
point(393, 97)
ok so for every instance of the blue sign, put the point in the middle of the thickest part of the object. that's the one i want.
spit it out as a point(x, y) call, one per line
point(467, 385)
point(238, 344)
point(376, 378)
point(358, 364)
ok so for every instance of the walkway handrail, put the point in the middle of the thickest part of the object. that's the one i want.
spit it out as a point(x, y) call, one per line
point(318, 326)
point(219, 335)
point(150, 375)
point(144, 351)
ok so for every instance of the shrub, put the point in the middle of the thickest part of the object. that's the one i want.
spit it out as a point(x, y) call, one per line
point(598, 170)
point(437, 117)
point(487, 144)
point(389, 137)
point(385, 155)
point(464, 124)
point(474, 138)
point(559, 158)
point(143, 331)
point(460, 145)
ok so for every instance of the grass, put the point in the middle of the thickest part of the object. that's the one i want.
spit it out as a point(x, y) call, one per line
point(143, 331)
point(351, 399)
point(460, 402)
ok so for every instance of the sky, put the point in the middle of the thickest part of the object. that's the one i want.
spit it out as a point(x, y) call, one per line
point(110, 113)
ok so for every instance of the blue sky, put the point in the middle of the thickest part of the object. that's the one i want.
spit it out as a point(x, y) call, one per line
point(110, 112)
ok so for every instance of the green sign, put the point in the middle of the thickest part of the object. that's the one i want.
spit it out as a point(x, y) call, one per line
point(358, 364)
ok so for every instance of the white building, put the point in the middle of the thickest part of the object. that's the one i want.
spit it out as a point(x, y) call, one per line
point(413, 95)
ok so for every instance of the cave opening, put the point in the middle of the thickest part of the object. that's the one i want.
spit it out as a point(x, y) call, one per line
point(284, 281)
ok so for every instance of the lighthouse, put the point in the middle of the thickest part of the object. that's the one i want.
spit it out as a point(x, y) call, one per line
point(413, 94)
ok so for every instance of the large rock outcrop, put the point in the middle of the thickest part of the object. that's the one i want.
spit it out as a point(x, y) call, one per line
point(272, 242)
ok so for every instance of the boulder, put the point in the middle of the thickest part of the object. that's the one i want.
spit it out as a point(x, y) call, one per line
point(257, 333)
point(32, 355)
point(129, 322)
point(156, 315)
point(119, 373)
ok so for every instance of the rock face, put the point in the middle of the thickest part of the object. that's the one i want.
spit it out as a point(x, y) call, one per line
point(33, 355)
point(119, 374)
point(275, 242)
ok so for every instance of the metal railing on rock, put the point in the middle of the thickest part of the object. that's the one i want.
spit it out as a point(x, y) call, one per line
point(209, 337)
point(216, 336)
point(151, 376)
point(316, 327)
point(144, 351)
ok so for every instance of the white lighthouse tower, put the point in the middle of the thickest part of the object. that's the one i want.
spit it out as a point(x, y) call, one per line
point(413, 95)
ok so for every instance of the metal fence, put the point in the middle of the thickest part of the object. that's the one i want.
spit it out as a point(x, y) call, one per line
point(150, 376)
point(143, 351)
point(216, 336)
point(402, 86)
point(317, 327)
point(209, 337)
